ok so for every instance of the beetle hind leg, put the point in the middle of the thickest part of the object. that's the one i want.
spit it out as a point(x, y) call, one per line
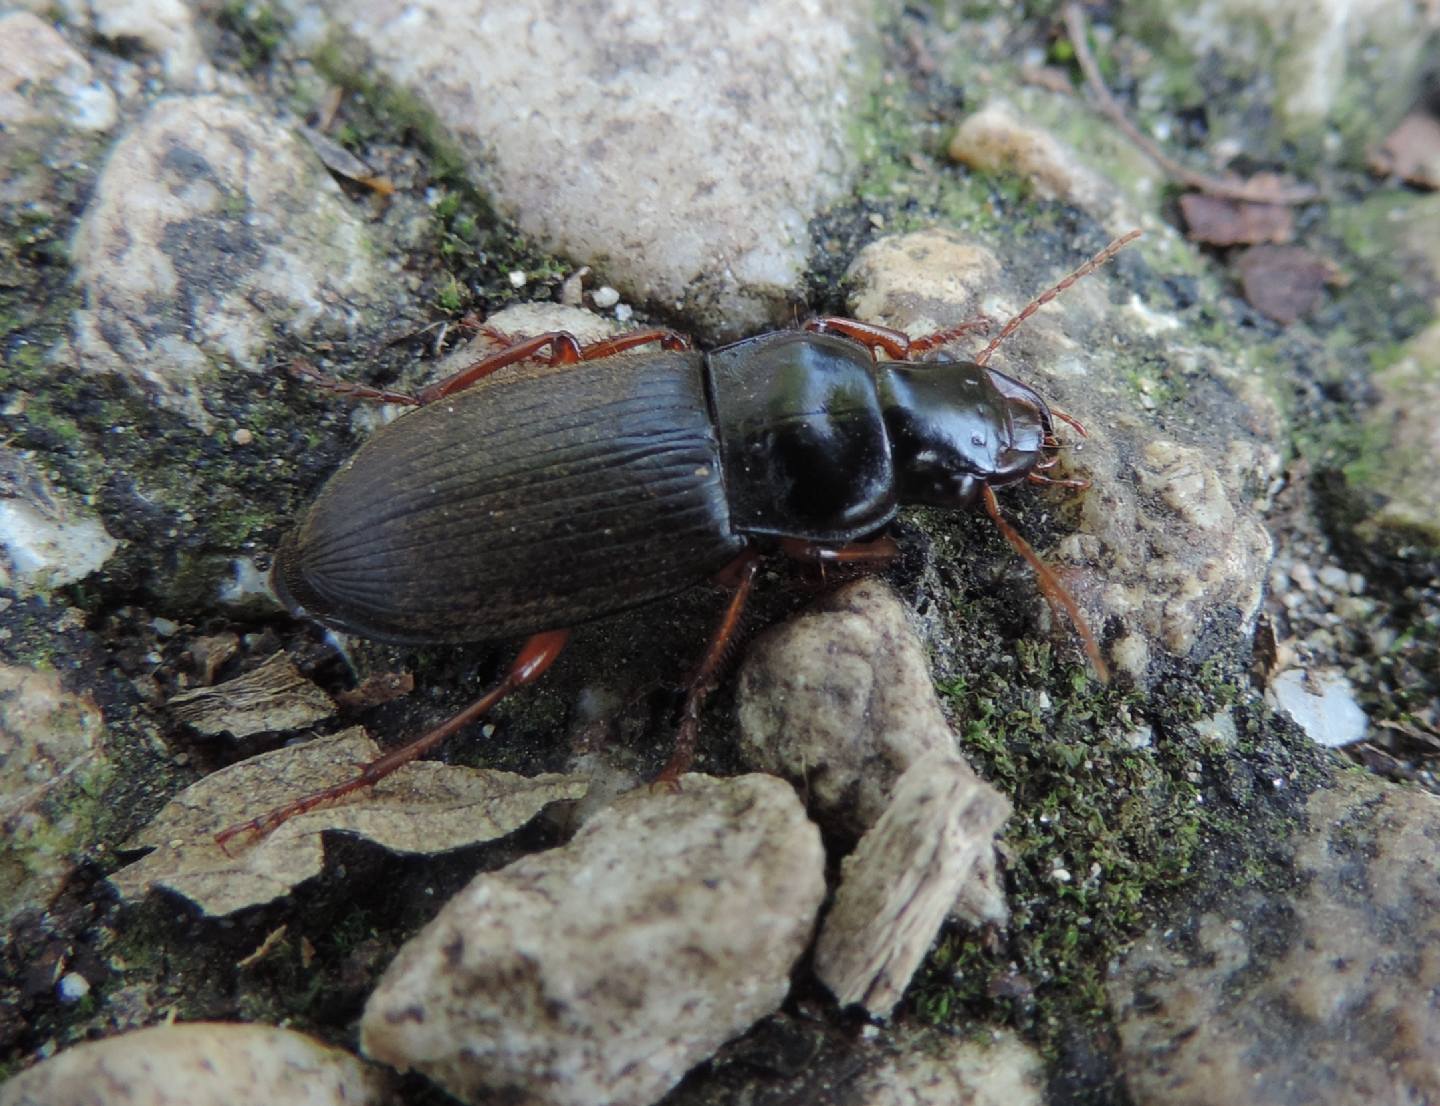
point(534, 658)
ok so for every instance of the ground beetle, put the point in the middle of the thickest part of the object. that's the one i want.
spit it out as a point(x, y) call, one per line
point(584, 482)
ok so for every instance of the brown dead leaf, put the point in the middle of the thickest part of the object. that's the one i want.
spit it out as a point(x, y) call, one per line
point(343, 163)
point(423, 808)
point(1283, 282)
point(378, 687)
point(1412, 152)
point(272, 697)
point(1223, 222)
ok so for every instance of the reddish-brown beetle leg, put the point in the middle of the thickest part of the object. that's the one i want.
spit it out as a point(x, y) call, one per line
point(742, 571)
point(896, 343)
point(301, 369)
point(536, 655)
point(1050, 585)
point(564, 349)
point(881, 551)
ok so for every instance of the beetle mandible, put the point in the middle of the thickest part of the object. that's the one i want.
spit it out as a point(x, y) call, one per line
point(526, 502)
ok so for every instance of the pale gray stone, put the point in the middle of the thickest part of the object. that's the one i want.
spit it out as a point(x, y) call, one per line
point(200, 1064)
point(1325, 995)
point(44, 80)
point(211, 228)
point(680, 150)
point(1322, 704)
point(1309, 62)
point(47, 539)
point(52, 755)
point(604, 970)
point(932, 1069)
point(840, 701)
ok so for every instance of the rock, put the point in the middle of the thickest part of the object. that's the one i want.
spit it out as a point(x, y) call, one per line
point(1320, 703)
point(935, 1070)
point(211, 229)
point(54, 115)
point(900, 882)
point(1307, 68)
point(1323, 994)
point(1168, 545)
point(997, 139)
point(200, 1064)
point(44, 81)
point(47, 540)
point(163, 27)
point(686, 150)
point(1402, 442)
point(604, 970)
point(839, 701)
point(52, 758)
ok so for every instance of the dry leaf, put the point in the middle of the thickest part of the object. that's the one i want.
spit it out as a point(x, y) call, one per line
point(379, 687)
point(1412, 152)
point(272, 697)
point(1282, 282)
point(1222, 222)
point(343, 163)
point(422, 808)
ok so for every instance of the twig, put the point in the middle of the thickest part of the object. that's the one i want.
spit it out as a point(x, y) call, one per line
point(1265, 192)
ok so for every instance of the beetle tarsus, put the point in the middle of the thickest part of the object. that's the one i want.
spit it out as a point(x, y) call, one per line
point(301, 369)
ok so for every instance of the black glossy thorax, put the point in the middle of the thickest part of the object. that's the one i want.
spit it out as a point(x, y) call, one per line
point(802, 436)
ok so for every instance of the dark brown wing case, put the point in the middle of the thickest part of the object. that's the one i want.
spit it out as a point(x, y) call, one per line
point(540, 498)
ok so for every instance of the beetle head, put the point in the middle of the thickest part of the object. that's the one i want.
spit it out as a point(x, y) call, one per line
point(956, 426)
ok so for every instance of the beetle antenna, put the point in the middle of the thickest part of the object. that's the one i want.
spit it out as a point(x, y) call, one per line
point(1045, 297)
point(1050, 585)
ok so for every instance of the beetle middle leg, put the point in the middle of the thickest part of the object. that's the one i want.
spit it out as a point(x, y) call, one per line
point(742, 572)
point(535, 657)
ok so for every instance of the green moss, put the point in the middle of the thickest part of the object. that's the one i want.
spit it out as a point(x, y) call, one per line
point(260, 29)
point(1106, 830)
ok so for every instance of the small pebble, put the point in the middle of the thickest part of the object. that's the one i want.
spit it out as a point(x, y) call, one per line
point(242, 437)
point(1322, 703)
point(605, 297)
point(517, 278)
point(572, 292)
point(1303, 577)
point(72, 987)
point(624, 312)
point(1335, 578)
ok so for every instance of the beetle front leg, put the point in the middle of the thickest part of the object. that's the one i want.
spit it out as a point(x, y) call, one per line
point(535, 656)
point(896, 343)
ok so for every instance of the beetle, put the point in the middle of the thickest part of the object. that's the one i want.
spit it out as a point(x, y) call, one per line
point(580, 483)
